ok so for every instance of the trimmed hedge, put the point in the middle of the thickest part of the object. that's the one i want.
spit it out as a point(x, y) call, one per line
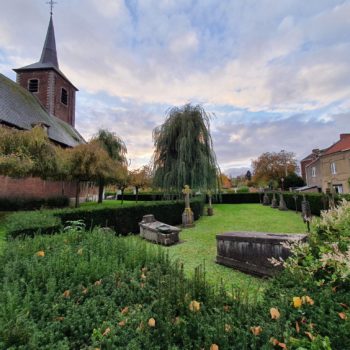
point(121, 219)
point(16, 203)
point(237, 198)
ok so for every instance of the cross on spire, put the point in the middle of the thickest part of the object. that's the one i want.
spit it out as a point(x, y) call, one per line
point(52, 4)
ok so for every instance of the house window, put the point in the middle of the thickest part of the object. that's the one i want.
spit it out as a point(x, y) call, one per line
point(338, 188)
point(33, 85)
point(333, 169)
point(64, 96)
point(313, 171)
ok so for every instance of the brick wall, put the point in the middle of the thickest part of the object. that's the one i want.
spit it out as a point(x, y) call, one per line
point(49, 94)
point(35, 187)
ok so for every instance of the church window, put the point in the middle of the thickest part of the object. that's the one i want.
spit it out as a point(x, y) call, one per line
point(64, 96)
point(33, 85)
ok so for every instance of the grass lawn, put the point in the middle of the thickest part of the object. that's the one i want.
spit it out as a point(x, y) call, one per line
point(2, 230)
point(199, 246)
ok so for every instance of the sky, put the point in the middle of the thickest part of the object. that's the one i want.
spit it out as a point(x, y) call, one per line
point(273, 74)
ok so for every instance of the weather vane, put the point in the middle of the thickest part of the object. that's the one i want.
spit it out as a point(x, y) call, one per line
point(52, 4)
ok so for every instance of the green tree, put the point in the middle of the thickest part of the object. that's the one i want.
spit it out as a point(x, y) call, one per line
point(90, 162)
point(141, 178)
point(116, 150)
point(184, 152)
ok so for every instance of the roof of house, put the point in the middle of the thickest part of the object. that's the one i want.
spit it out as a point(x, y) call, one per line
point(19, 108)
point(342, 145)
point(48, 59)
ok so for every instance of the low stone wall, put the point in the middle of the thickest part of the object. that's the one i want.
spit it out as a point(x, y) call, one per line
point(249, 251)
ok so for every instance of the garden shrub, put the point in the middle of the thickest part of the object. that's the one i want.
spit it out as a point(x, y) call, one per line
point(122, 220)
point(16, 203)
point(243, 189)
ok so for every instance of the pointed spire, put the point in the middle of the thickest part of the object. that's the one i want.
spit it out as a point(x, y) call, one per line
point(49, 54)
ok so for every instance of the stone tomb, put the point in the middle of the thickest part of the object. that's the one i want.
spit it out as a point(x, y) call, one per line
point(249, 251)
point(158, 232)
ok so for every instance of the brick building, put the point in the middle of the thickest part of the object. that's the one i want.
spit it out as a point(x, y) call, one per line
point(329, 168)
point(44, 96)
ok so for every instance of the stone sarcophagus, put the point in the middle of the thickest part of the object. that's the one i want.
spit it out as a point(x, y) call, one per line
point(250, 251)
point(158, 232)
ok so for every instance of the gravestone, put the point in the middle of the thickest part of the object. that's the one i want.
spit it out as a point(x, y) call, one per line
point(158, 232)
point(274, 201)
point(250, 251)
point(266, 199)
point(282, 205)
point(187, 215)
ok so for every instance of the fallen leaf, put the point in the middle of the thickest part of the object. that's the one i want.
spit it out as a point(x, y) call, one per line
point(125, 310)
point(141, 326)
point(106, 332)
point(122, 323)
point(98, 283)
point(40, 253)
point(344, 306)
point(228, 328)
point(226, 308)
point(85, 291)
point(194, 306)
point(214, 347)
point(80, 251)
point(297, 327)
point(66, 293)
point(59, 318)
point(143, 276)
point(307, 300)
point(152, 322)
point(256, 330)
point(311, 337)
point(282, 345)
point(275, 314)
point(297, 302)
point(342, 315)
point(274, 341)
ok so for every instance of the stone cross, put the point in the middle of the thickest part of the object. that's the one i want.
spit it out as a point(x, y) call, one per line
point(186, 191)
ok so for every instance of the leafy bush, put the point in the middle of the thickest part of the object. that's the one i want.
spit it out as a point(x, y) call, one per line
point(243, 189)
point(30, 223)
point(16, 203)
point(121, 219)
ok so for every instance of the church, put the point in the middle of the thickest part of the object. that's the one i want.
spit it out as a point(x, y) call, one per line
point(42, 95)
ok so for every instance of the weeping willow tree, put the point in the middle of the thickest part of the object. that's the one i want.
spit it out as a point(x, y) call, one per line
point(184, 152)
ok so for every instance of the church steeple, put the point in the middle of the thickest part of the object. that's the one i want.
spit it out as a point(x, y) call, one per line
point(49, 53)
point(47, 83)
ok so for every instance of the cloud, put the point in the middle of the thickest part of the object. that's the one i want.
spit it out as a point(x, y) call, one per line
point(275, 73)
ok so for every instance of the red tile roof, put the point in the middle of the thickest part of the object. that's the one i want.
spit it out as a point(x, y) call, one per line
point(342, 145)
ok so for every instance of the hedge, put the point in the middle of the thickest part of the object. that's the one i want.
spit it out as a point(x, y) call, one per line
point(122, 220)
point(236, 198)
point(17, 203)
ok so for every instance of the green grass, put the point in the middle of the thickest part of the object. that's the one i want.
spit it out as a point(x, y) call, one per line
point(199, 246)
point(2, 230)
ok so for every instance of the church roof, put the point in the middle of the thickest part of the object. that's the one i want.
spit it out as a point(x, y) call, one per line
point(19, 108)
point(48, 59)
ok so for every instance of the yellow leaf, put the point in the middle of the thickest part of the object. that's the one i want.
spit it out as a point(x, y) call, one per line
point(256, 330)
point(297, 302)
point(40, 253)
point(106, 332)
point(152, 322)
point(342, 315)
point(228, 328)
point(80, 251)
point(214, 347)
point(143, 276)
point(195, 306)
point(275, 314)
point(66, 293)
